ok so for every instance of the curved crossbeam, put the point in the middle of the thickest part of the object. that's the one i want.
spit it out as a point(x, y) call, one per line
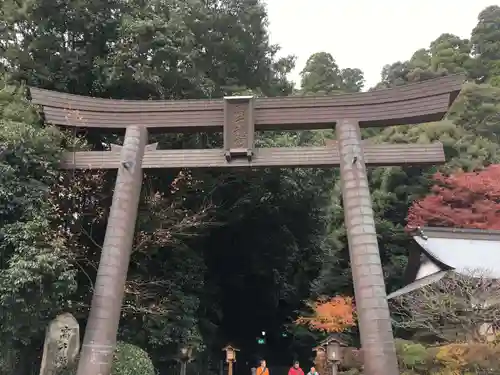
point(411, 104)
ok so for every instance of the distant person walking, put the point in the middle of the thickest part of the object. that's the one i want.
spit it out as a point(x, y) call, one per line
point(313, 371)
point(295, 369)
point(262, 369)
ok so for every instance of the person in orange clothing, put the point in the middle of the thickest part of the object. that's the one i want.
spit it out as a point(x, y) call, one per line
point(262, 369)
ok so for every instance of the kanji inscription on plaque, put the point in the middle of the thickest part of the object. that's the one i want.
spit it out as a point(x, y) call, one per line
point(238, 126)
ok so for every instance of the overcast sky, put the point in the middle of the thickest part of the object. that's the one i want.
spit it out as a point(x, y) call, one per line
point(367, 34)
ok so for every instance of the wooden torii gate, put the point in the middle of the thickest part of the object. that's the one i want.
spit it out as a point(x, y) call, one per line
point(239, 117)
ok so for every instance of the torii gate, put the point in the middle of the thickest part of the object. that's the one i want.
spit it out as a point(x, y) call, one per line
point(239, 117)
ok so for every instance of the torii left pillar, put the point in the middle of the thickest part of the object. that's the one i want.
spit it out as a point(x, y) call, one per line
point(100, 334)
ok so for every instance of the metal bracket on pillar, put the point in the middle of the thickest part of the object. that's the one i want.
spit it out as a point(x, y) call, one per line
point(130, 164)
point(356, 153)
point(239, 127)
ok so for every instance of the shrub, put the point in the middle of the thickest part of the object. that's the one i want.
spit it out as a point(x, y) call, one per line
point(451, 359)
point(131, 360)
point(128, 359)
point(413, 356)
point(462, 358)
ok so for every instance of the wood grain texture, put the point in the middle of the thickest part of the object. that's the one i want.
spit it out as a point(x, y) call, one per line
point(374, 320)
point(327, 156)
point(99, 341)
point(411, 104)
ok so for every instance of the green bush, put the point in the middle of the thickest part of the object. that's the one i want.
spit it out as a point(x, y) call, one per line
point(452, 359)
point(128, 359)
point(131, 360)
point(460, 358)
point(413, 356)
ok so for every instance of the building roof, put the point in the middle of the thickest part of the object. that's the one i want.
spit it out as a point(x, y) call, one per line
point(443, 250)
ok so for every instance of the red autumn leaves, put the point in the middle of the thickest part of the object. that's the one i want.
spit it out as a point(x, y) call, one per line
point(461, 200)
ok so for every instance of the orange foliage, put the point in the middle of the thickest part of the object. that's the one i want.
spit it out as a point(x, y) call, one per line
point(330, 314)
point(462, 200)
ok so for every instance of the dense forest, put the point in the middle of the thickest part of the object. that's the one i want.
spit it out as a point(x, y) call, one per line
point(218, 256)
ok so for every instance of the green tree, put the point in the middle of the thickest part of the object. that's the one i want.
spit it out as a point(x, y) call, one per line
point(37, 277)
point(485, 41)
point(164, 49)
point(449, 53)
point(353, 80)
point(59, 45)
point(321, 75)
point(478, 110)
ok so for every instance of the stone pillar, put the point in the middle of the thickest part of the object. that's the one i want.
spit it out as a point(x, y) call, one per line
point(369, 287)
point(100, 334)
point(62, 344)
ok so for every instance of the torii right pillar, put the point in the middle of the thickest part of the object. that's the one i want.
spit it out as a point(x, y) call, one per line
point(377, 340)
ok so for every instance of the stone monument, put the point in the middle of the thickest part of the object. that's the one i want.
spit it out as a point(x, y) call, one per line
point(62, 344)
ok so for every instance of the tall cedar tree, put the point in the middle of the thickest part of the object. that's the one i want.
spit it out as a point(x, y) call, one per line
point(461, 200)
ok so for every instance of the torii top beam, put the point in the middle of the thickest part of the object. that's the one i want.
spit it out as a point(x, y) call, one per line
point(411, 104)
